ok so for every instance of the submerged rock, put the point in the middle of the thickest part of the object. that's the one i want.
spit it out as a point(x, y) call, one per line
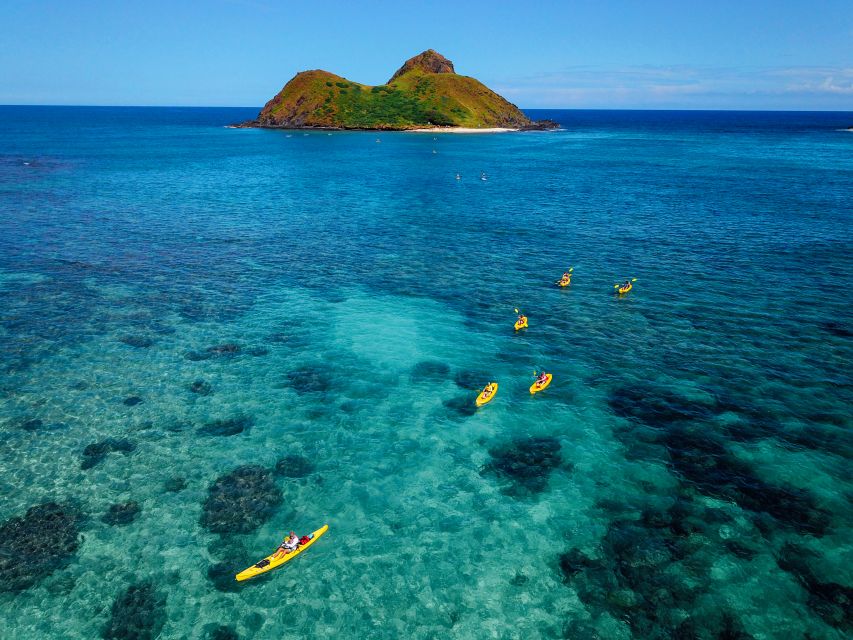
point(831, 601)
point(201, 387)
point(294, 466)
point(227, 426)
point(700, 457)
point(37, 425)
point(35, 545)
point(221, 574)
point(574, 561)
point(223, 632)
point(241, 501)
point(132, 401)
point(97, 451)
point(309, 379)
point(122, 513)
point(228, 349)
point(471, 380)
point(175, 484)
point(526, 463)
point(460, 406)
point(430, 371)
point(30, 424)
point(137, 614)
point(140, 342)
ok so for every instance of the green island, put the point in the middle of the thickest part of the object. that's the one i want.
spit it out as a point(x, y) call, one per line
point(426, 92)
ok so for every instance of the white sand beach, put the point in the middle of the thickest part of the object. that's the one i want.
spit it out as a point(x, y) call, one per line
point(462, 130)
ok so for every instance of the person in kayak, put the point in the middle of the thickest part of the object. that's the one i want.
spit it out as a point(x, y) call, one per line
point(541, 379)
point(486, 391)
point(626, 285)
point(567, 276)
point(522, 318)
point(288, 545)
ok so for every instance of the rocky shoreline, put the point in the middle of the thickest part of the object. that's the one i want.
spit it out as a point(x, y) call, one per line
point(537, 125)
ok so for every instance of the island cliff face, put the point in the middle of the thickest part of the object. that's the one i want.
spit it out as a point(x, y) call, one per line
point(425, 92)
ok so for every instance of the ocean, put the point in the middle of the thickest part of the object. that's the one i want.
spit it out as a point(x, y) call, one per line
point(213, 336)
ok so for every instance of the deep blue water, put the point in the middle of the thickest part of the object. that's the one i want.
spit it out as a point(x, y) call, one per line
point(183, 300)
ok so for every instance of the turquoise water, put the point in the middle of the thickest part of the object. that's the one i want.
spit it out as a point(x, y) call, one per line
point(182, 300)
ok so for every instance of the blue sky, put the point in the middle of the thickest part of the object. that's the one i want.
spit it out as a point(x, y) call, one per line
point(787, 54)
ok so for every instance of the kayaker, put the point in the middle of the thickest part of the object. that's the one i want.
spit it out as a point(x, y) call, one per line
point(542, 379)
point(288, 545)
point(486, 391)
point(626, 285)
point(567, 276)
point(522, 318)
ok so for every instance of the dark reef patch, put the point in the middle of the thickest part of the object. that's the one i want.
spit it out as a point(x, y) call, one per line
point(137, 614)
point(222, 632)
point(240, 501)
point(309, 379)
point(471, 380)
point(460, 406)
point(698, 454)
point(37, 425)
point(649, 571)
point(227, 350)
point(201, 388)
point(430, 371)
point(175, 484)
point(140, 342)
point(35, 545)
point(526, 463)
point(294, 466)
point(31, 424)
point(227, 426)
point(131, 401)
point(122, 513)
point(221, 574)
point(573, 562)
point(96, 452)
point(831, 601)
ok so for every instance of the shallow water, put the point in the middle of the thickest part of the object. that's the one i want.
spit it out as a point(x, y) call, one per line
point(183, 299)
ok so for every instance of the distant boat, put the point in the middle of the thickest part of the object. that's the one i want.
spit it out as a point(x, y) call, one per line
point(483, 176)
point(458, 177)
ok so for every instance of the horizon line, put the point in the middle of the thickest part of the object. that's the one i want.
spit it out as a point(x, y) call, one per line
point(185, 106)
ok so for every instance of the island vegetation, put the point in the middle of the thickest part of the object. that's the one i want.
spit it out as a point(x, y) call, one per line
point(425, 92)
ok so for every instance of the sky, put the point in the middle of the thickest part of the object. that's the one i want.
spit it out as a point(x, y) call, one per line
point(608, 54)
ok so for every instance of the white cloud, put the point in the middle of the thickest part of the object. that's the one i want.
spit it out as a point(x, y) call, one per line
point(685, 87)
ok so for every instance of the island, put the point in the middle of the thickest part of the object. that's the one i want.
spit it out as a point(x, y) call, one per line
point(425, 93)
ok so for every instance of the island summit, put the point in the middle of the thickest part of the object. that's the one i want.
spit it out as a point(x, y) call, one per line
point(426, 92)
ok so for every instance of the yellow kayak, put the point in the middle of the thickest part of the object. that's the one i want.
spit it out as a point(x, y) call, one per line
point(492, 390)
point(625, 289)
point(271, 562)
point(536, 387)
point(564, 283)
point(521, 324)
